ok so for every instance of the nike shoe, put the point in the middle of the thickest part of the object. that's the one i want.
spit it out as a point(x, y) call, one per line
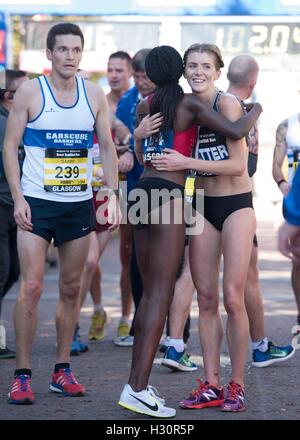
point(124, 341)
point(177, 361)
point(96, 331)
point(145, 402)
point(296, 335)
point(234, 399)
point(205, 396)
point(64, 382)
point(75, 348)
point(154, 390)
point(20, 390)
point(123, 329)
point(76, 345)
point(164, 344)
point(273, 355)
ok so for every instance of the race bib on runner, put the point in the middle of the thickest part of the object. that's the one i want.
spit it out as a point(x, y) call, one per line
point(97, 178)
point(189, 188)
point(294, 158)
point(65, 169)
point(154, 146)
point(210, 146)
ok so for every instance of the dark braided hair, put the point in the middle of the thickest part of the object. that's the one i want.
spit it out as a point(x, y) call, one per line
point(164, 68)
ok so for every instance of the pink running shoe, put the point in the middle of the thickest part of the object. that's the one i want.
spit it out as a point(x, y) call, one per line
point(64, 382)
point(205, 396)
point(20, 390)
point(234, 400)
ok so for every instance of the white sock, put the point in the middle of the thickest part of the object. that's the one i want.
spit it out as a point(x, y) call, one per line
point(178, 344)
point(98, 308)
point(166, 340)
point(125, 319)
point(261, 345)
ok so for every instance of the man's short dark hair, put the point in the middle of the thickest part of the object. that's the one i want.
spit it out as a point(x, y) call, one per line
point(121, 55)
point(138, 61)
point(10, 76)
point(63, 29)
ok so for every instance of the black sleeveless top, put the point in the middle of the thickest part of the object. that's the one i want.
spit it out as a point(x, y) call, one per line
point(210, 145)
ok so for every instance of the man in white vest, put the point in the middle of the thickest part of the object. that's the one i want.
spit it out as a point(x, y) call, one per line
point(57, 116)
point(287, 155)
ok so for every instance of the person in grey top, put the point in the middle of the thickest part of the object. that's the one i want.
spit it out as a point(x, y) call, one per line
point(9, 262)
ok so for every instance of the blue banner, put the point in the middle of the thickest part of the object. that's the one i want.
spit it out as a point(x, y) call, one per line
point(152, 7)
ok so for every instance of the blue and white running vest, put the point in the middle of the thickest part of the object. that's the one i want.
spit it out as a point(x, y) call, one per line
point(293, 146)
point(58, 143)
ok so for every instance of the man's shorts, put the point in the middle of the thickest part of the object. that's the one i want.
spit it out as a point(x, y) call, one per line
point(62, 221)
point(102, 224)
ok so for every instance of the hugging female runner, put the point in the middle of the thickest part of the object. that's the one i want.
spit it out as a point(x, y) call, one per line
point(159, 243)
point(229, 228)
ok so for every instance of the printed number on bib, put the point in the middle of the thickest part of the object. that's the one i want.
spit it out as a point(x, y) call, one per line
point(65, 170)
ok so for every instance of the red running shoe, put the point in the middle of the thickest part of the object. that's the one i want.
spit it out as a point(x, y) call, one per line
point(205, 396)
point(64, 382)
point(234, 401)
point(20, 390)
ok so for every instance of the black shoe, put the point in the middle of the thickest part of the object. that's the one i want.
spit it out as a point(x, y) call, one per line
point(163, 346)
point(52, 262)
point(5, 353)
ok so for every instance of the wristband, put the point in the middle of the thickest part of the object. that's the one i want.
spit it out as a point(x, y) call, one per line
point(280, 182)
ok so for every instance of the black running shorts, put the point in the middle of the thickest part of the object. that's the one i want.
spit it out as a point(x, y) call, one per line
point(62, 221)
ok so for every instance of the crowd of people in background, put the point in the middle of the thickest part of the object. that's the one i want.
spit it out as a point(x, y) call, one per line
point(67, 149)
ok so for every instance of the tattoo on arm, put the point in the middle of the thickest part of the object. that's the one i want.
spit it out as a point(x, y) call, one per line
point(281, 134)
point(279, 151)
point(253, 140)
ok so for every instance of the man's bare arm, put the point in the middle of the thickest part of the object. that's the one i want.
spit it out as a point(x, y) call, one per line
point(216, 121)
point(108, 150)
point(279, 155)
point(109, 156)
point(16, 123)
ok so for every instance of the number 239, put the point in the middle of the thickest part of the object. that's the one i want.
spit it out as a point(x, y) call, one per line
point(67, 172)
